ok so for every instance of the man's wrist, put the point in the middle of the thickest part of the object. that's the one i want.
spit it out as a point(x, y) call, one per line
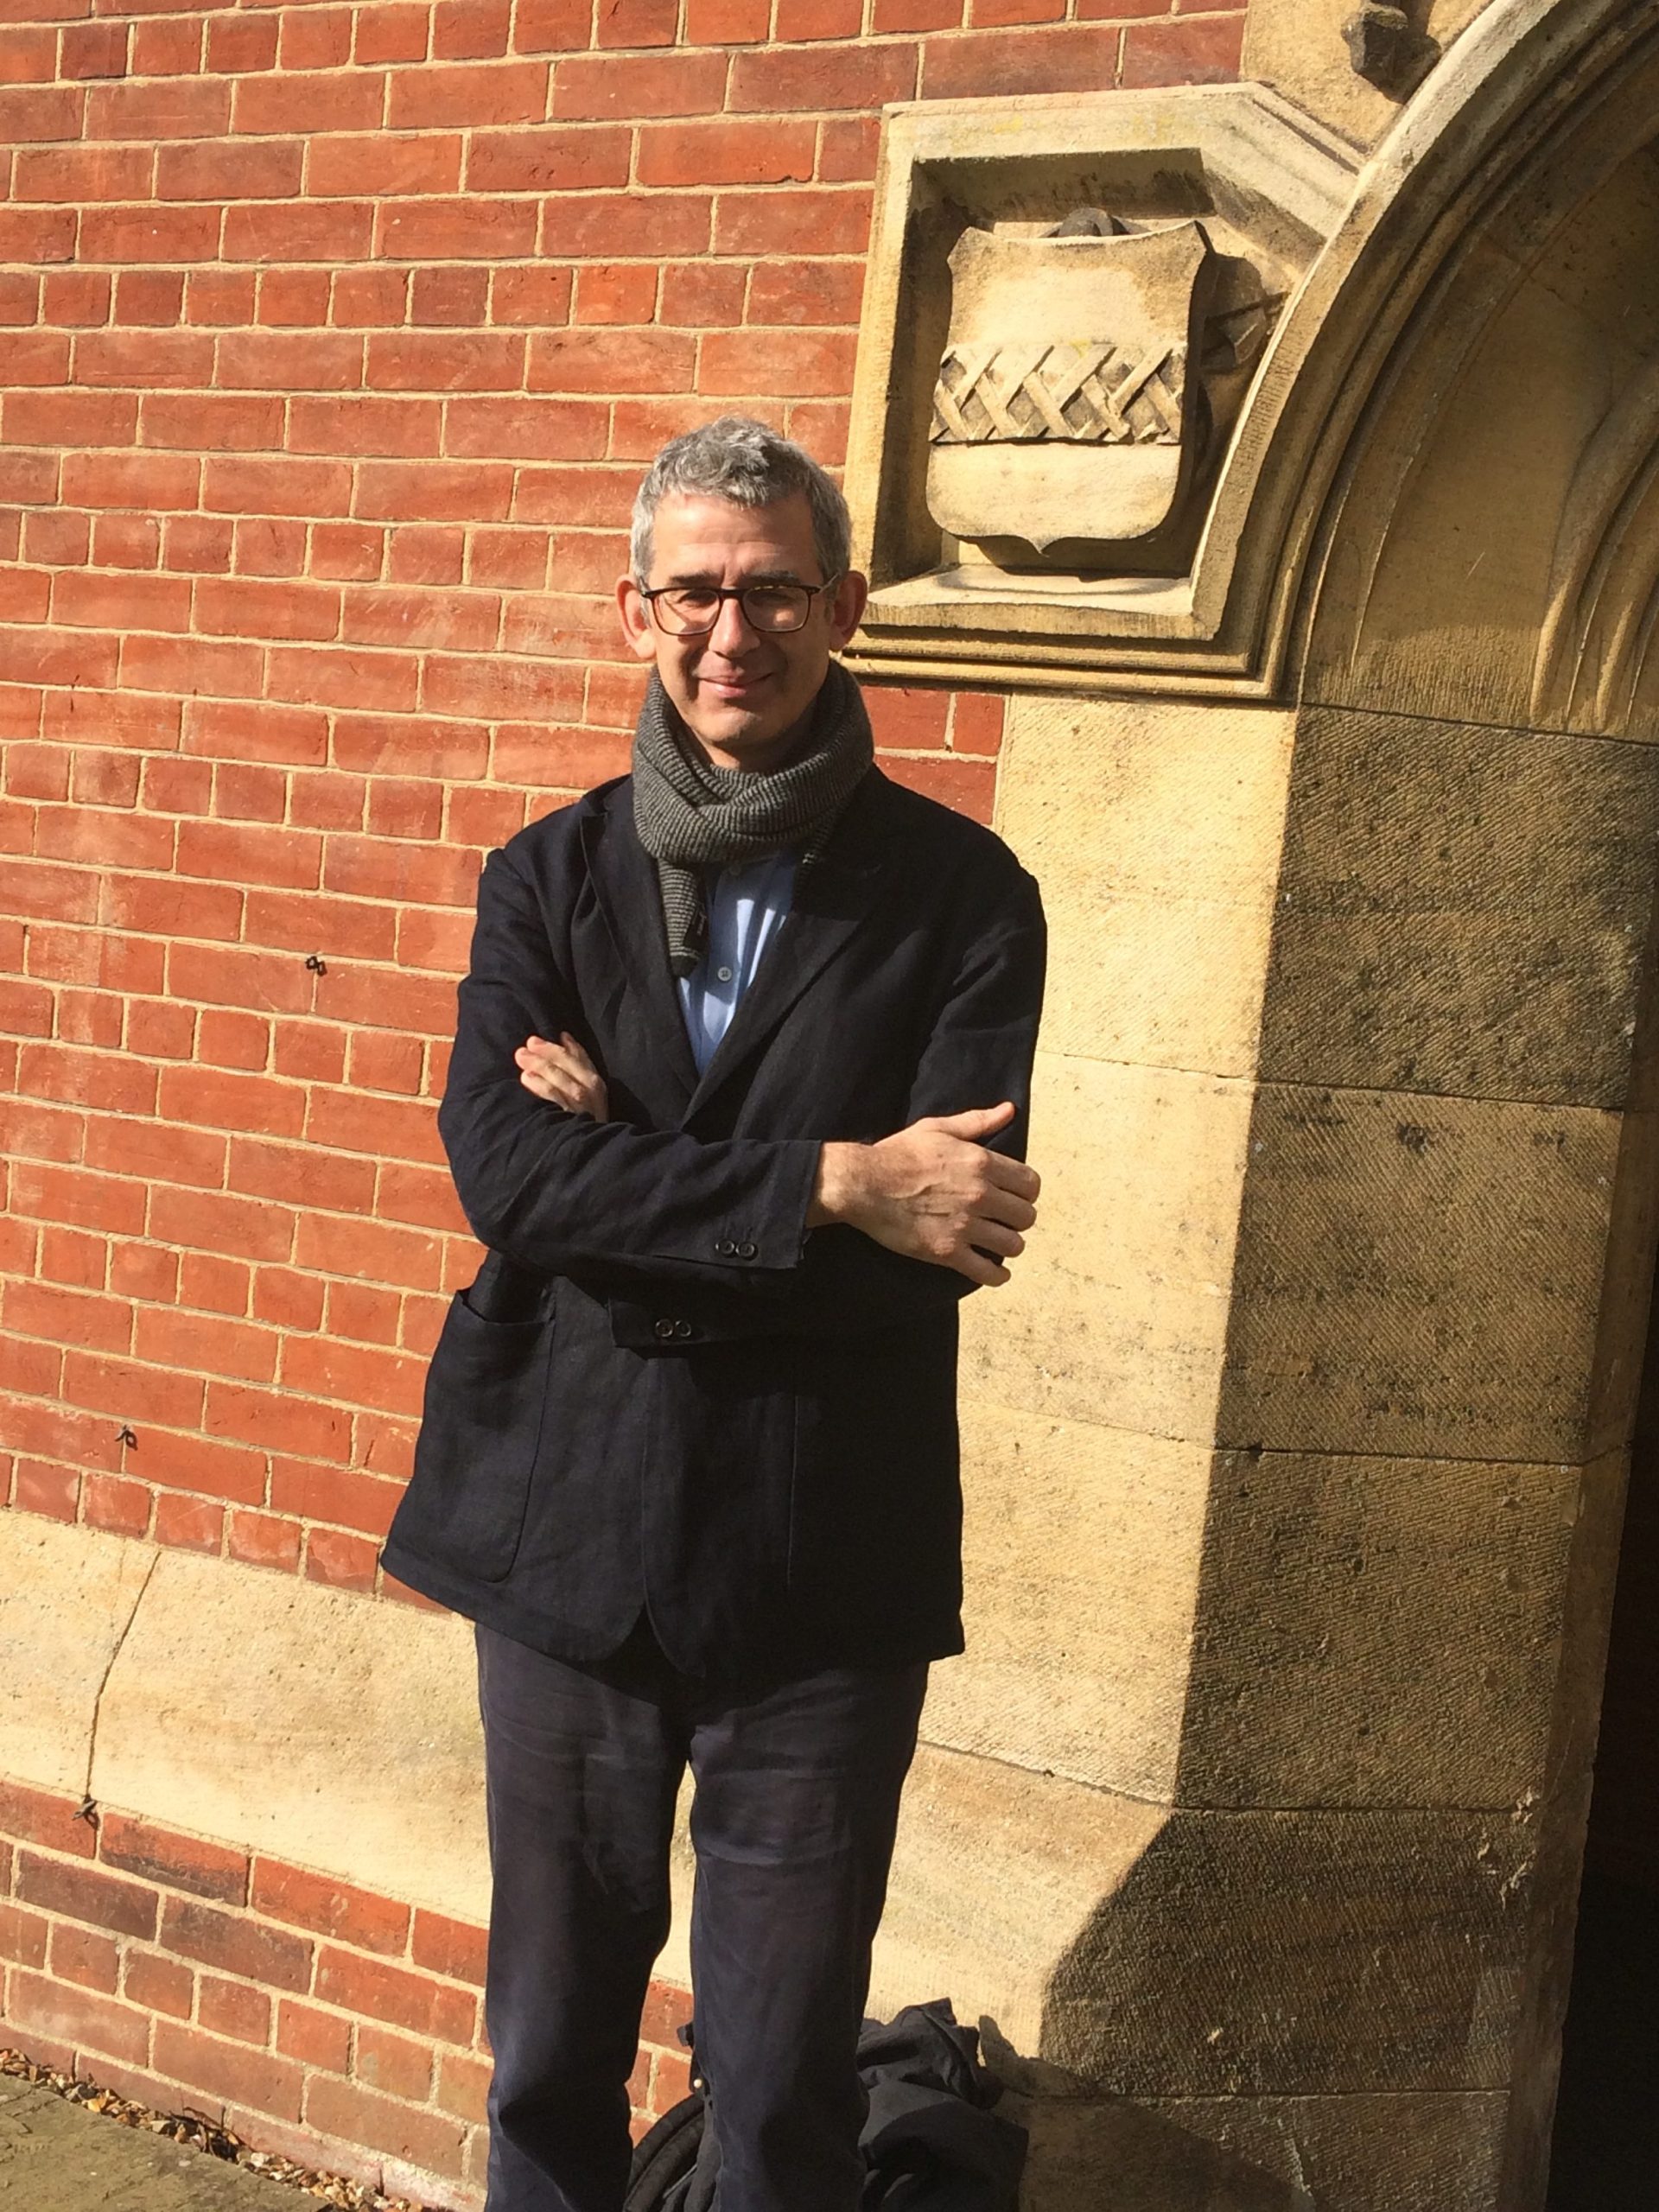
point(842, 1178)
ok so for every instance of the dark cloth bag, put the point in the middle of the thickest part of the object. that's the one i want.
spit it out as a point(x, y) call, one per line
point(931, 2142)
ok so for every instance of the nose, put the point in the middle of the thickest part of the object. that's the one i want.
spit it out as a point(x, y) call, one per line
point(733, 632)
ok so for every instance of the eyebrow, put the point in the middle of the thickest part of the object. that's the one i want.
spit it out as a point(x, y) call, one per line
point(687, 577)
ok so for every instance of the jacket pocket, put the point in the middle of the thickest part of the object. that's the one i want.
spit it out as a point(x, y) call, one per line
point(480, 1425)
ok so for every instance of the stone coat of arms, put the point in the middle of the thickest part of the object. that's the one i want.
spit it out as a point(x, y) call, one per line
point(1068, 408)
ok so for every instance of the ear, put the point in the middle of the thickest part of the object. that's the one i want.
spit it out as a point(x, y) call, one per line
point(635, 617)
point(847, 608)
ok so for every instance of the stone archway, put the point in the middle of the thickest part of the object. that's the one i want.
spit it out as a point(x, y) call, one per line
point(1299, 1456)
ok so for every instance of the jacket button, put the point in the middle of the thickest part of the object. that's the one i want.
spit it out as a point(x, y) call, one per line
point(745, 1251)
point(682, 1328)
point(664, 1329)
point(724, 1248)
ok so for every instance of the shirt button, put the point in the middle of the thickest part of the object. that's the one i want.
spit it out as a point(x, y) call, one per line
point(745, 1251)
point(682, 1328)
point(725, 1249)
point(664, 1329)
point(723, 975)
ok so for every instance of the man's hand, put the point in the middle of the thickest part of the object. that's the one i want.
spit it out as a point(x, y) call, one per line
point(563, 1075)
point(933, 1192)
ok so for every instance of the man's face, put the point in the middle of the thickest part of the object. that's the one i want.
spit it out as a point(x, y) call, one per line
point(739, 692)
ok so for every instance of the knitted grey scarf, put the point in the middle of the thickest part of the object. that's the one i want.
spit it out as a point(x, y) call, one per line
point(691, 816)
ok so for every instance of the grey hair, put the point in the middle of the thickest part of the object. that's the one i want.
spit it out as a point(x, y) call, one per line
point(740, 459)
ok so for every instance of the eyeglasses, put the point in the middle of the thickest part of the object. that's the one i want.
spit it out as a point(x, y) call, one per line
point(691, 610)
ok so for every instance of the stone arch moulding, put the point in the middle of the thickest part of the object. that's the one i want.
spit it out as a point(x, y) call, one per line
point(1330, 257)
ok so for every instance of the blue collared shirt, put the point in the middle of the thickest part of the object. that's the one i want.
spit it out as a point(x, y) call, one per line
point(746, 906)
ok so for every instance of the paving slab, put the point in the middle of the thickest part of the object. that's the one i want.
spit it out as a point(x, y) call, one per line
point(56, 2156)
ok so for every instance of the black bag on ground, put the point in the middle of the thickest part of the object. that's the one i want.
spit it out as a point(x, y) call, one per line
point(930, 2144)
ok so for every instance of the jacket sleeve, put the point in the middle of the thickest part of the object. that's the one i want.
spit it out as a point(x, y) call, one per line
point(560, 1193)
point(979, 1052)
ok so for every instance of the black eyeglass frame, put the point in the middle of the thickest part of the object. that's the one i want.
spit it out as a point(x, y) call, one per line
point(651, 594)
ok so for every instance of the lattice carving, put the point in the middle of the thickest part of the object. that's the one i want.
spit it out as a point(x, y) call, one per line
point(1033, 392)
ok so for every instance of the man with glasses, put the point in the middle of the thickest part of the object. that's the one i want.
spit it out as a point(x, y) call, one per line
point(737, 1105)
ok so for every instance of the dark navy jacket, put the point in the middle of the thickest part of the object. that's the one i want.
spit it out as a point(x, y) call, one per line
point(663, 1392)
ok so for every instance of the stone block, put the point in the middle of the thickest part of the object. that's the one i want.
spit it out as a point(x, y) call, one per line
point(1297, 46)
point(1419, 1276)
point(1302, 1952)
point(1385, 1632)
point(303, 1722)
point(1462, 909)
point(1081, 1551)
point(1155, 830)
point(67, 1596)
point(1433, 2151)
point(1117, 1312)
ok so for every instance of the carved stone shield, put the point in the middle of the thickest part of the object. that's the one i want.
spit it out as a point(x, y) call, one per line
point(1067, 407)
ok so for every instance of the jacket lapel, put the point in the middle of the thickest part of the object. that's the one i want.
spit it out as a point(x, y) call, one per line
point(624, 878)
point(829, 903)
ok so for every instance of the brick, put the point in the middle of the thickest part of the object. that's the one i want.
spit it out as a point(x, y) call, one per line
point(220, 296)
point(166, 47)
point(231, 169)
point(178, 233)
point(605, 88)
point(340, 1562)
point(636, 22)
point(150, 296)
point(189, 1524)
point(601, 360)
point(290, 1301)
point(158, 1854)
point(1205, 50)
point(45, 1193)
point(621, 291)
point(513, 558)
point(22, 1935)
point(746, 152)
point(122, 1508)
point(215, 1222)
point(370, 297)
point(549, 160)
point(52, 1492)
point(268, 2082)
point(777, 362)
point(456, 296)
point(836, 221)
point(90, 1960)
point(330, 1907)
point(302, 101)
point(464, 2086)
point(531, 430)
point(378, 165)
point(80, 2016)
point(590, 223)
point(502, 689)
point(428, 2141)
point(39, 1309)
point(70, 418)
point(46, 112)
point(703, 293)
point(377, 616)
point(190, 665)
point(237, 43)
point(782, 77)
point(272, 360)
point(429, 361)
point(159, 1985)
point(483, 93)
point(346, 550)
point(1074, 58)
point(552, 26)
point(394, 2064)
point(209, 1344)
point(449, 230)
point(727, 23)
point(236, 1945)
point(470, 30)
point(320, 230)
point(315, 38)
point(385, 682)
point(148, 360)
point(235, 1409)
point(976, 723)
point(261, 1540)
point(231, 2008)
point(316, 2037)
point(83, 1893)
point(814, 19)
point(822, 292)
point(453, 1947)
point(212, 422)
point(391, 32)
point(988, 14)
point(37, 234)
point(970, 787)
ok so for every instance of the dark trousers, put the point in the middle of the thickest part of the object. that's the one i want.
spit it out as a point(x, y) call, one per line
point(797, 1798)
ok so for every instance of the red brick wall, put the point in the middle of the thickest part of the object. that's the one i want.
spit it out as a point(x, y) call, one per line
point(338, 2027)
point(333, 340)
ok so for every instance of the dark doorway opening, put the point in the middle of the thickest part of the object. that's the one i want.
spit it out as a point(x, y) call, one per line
point(1606, 2146)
